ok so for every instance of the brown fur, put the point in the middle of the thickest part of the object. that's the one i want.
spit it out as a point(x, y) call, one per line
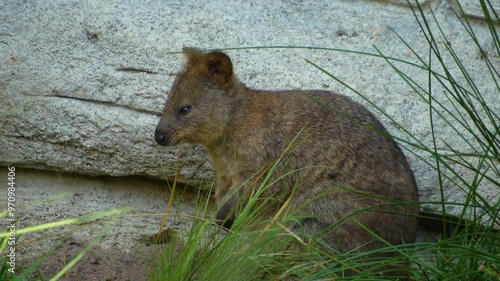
point(344, 160)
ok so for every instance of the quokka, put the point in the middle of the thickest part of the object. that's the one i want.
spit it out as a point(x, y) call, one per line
point(347, 171)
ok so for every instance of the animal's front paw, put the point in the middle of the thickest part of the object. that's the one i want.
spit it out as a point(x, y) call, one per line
point(225, 215)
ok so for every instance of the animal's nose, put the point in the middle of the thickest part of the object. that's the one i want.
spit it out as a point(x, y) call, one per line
point(160, 137)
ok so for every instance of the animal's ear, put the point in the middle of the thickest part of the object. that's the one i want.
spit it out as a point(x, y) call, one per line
point(218, 66)
point(191, 54)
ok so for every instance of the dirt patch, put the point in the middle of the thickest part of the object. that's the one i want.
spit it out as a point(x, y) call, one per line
point(121, 253)
point(98, 263)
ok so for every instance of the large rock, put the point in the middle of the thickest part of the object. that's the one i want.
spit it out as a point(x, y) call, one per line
point(81, 81)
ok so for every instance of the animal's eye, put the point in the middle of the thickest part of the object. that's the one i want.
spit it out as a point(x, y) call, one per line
point(184, 109)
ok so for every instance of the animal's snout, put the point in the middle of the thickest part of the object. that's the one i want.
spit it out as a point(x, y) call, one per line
point(160, 137)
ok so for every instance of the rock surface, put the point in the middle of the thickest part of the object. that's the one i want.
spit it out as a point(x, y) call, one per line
point(122, 252)
point(81, 81)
